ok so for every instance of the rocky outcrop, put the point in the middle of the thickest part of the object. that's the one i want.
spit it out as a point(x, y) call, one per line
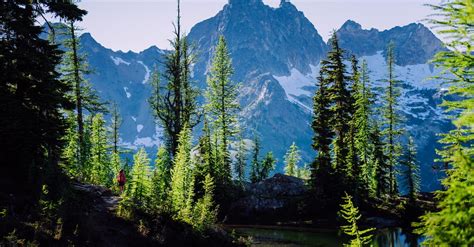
point(277, 198)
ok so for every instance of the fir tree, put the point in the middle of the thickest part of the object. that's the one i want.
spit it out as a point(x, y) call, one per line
point(292, 158)
point(222, 105)
point(74, 70)
point(139, 190)
point(351, 214)
point(321, 167)
point(241, 160)
point(205, 160)
point(116, 122)
point(267, 165)
point(411, 170)
point(182, 179)
point(452, 224)
point(255, 165)
point(392, 130)
point(100, 160)
point(335, 72)
point(161, 177)
point(175, 102)
point(381, 181)
point(353, 165)
point(363, 112)
point(205, 212)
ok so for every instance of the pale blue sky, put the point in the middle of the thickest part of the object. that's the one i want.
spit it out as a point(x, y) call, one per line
point(136, 25)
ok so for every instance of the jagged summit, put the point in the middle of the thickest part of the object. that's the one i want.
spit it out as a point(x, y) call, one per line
point(351, 25)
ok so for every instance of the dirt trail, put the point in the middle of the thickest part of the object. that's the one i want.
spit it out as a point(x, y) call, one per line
point(105, 228)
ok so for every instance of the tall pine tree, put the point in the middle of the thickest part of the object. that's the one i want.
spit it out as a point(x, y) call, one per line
point(175, 102)
point(222, 105)
point(411, 170)
point(362, 119)
point(340, 97)
point(392, 130)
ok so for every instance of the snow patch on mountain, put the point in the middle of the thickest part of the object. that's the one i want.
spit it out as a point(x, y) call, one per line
point(118, 60)
point(134, 119)
point(147, 74)
point(294, 83)
point(127, 92)
point(139, 128)
point(418, 76)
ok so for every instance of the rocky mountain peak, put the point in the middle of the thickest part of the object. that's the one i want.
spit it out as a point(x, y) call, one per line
point(351, 25)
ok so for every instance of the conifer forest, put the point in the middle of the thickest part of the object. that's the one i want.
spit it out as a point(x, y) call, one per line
point(248, 129)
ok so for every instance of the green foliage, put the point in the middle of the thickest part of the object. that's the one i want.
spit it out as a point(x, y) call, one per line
point(182, 177)
point(321, 166)
point(102, 172)
point(267, 165)
point(392, 130)
point(161, 178)
point(255, 165)
point(241, 160)
point(139, 185)
point(362, 118)
point(292, 158)
point(411, 170)
point(340, 107)
point(381, 183)
point(452, 225)
point(205, 212)
point(32, 98)
point(303, 172)
point(351, 214)
point(222, 106)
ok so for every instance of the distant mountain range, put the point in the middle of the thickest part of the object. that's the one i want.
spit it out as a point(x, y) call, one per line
point(276, 54)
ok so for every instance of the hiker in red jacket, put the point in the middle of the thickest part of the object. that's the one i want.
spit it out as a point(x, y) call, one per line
point(121, 179)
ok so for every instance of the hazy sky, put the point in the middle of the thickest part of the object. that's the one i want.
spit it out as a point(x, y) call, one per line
point(136, 25)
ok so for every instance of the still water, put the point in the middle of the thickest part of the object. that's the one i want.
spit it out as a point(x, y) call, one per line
point(288, 237)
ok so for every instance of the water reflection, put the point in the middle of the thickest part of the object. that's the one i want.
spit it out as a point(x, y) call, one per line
point(394, 237)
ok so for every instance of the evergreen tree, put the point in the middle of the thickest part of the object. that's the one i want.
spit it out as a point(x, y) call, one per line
point(205, 160)
point(74, 69)
point(292, 158)
point(411, 170)
point(222, 105)
point(452, 225)
point(353, 165)
point(267, 165)
point(392, 129)
point(100, 162)
point(182, 179)
point(32, 98)
point(335, 72)
point(139, 190)
point(116, 122)
point(241, 160)
point(175, 103)
point(255, 165)
point(303, 172)
point(322, 170)
point(205, 212)
point(363, 112)
point(381, 181)
point(161, 178)
point(351, 214)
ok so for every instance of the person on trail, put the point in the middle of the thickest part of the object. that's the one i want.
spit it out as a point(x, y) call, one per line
point(121, 179)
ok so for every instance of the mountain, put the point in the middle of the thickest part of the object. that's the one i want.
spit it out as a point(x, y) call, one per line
point(276, 54)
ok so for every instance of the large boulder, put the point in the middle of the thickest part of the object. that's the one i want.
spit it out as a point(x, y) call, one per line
point(278, 198)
